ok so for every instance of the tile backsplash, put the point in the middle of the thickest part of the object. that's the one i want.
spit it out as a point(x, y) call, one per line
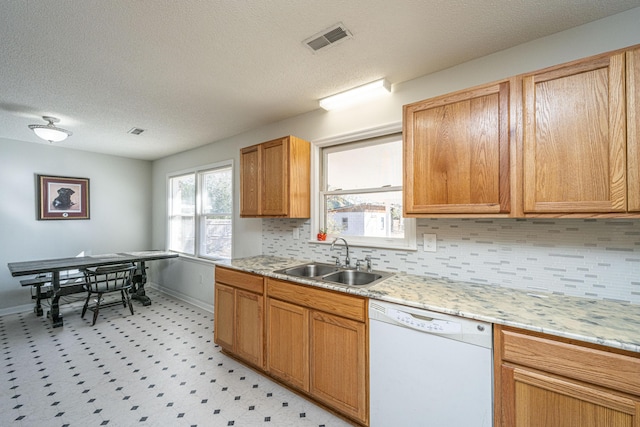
point(592, 258)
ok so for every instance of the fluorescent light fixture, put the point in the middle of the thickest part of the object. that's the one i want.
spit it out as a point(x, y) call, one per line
point(356, 95)
point(50, 132)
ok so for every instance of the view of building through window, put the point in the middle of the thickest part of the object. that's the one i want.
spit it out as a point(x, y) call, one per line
point(361, 194)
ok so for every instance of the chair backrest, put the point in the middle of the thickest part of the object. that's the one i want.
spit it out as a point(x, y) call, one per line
point(109, 277)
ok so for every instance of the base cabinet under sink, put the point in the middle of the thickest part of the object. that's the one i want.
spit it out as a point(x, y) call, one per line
point(313, 347)
point(310, 339)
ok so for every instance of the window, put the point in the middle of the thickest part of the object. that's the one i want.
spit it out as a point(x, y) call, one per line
point(200, 212)
point(361, 193)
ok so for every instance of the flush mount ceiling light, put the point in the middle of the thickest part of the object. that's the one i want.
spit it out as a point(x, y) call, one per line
point(356, 95)
point(50, 132)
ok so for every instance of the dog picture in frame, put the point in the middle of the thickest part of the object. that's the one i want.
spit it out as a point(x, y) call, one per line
point(63, 197)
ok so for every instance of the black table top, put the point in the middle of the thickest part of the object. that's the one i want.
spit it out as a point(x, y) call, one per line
point(58, 264)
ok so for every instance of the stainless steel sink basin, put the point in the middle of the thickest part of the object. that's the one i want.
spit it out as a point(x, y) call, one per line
point(354, 277)
point(334, 274)
point(309, 270)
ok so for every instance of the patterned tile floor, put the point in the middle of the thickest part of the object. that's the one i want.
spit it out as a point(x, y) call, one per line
point(158, 367)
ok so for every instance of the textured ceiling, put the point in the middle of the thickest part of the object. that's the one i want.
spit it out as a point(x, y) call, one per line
point(192, 72)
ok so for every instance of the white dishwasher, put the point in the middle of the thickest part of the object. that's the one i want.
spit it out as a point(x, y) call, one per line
point(428, 369)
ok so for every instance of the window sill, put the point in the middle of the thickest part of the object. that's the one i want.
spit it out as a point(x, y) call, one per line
point(402, 246)
point(198, 260)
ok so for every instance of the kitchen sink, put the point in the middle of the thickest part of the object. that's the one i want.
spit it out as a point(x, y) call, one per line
point(354, 277)
point(334, 274)
point(309, 270)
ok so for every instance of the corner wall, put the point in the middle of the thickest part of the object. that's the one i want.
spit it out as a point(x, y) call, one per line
point(120, 208)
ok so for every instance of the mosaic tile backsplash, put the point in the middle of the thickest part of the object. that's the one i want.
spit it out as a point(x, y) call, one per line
point(598, 259)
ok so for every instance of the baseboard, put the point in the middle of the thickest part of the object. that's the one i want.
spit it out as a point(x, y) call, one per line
point(17, 309)
point(181, 296)
point(207, 307)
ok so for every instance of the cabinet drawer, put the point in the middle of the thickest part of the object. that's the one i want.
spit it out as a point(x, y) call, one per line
point(609, 369)
point(239, 279)
point(348, 306)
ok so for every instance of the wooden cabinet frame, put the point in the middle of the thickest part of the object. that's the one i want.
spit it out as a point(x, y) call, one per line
point(457, 153)
point(567, 145)
point(542, 380)
point(633, 129)
point(574, 137)
point(239, 314)
point(275, 179)
point(333, 365)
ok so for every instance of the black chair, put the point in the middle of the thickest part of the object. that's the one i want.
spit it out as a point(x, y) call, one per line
point(106, 280)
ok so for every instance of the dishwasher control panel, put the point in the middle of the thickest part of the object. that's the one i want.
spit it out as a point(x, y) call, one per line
point(427, 324)
point(445, 325)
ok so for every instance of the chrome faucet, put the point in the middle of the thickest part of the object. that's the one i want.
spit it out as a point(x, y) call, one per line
point(347, 261)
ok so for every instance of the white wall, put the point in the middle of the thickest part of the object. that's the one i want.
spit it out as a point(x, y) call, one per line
point(120, 208)
point(611, 33)
point(190, 279)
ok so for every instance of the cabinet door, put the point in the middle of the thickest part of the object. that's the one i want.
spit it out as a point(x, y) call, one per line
point(574, 138)
point(275, 182)
point(250, 158)
point(224, 316)
point(288, 343)
point(249, 327)
point(456, 153)
point(339, 364)
point(633, 129)
point(536, 399)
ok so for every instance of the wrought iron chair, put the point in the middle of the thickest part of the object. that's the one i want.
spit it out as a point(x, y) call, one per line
point(105, 280)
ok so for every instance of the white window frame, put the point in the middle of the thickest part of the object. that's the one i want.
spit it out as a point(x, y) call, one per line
point(198, 172)
point(317, 209)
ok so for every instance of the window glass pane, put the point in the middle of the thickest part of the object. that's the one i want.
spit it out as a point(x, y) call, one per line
point(370, 166)
point(215, 222)
point(181, 213)
point(216, 187)
point(365, 214)
point(181, 235)
point(216, 236)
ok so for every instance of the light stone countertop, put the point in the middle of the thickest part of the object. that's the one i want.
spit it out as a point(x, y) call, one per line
point(607, 323)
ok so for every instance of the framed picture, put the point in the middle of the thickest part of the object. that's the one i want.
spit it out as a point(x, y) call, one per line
point(62, 197)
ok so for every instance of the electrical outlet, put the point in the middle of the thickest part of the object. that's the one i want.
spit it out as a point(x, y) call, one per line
point(201, 279)
point(296, 233)
point(429, 242)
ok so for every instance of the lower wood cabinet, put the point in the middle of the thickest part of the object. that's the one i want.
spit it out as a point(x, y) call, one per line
point(544, 381)
point(310, 339)
point(239, 314)
point(316, 342)
point(288, 343)
point(339, 363)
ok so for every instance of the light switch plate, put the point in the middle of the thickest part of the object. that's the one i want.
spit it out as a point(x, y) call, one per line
point(296, 233)
point(429, 242)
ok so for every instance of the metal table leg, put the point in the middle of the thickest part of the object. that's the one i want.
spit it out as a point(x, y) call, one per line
point(54, 313)
point(139, 279)
point(38, 308)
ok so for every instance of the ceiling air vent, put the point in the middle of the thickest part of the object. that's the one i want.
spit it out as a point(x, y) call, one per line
point(135, 131)
point(328, 37)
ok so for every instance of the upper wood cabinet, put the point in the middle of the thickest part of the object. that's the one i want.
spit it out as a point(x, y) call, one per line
point(275, 179)
point(576, 154)
point(633, 129)
point(457, 153)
